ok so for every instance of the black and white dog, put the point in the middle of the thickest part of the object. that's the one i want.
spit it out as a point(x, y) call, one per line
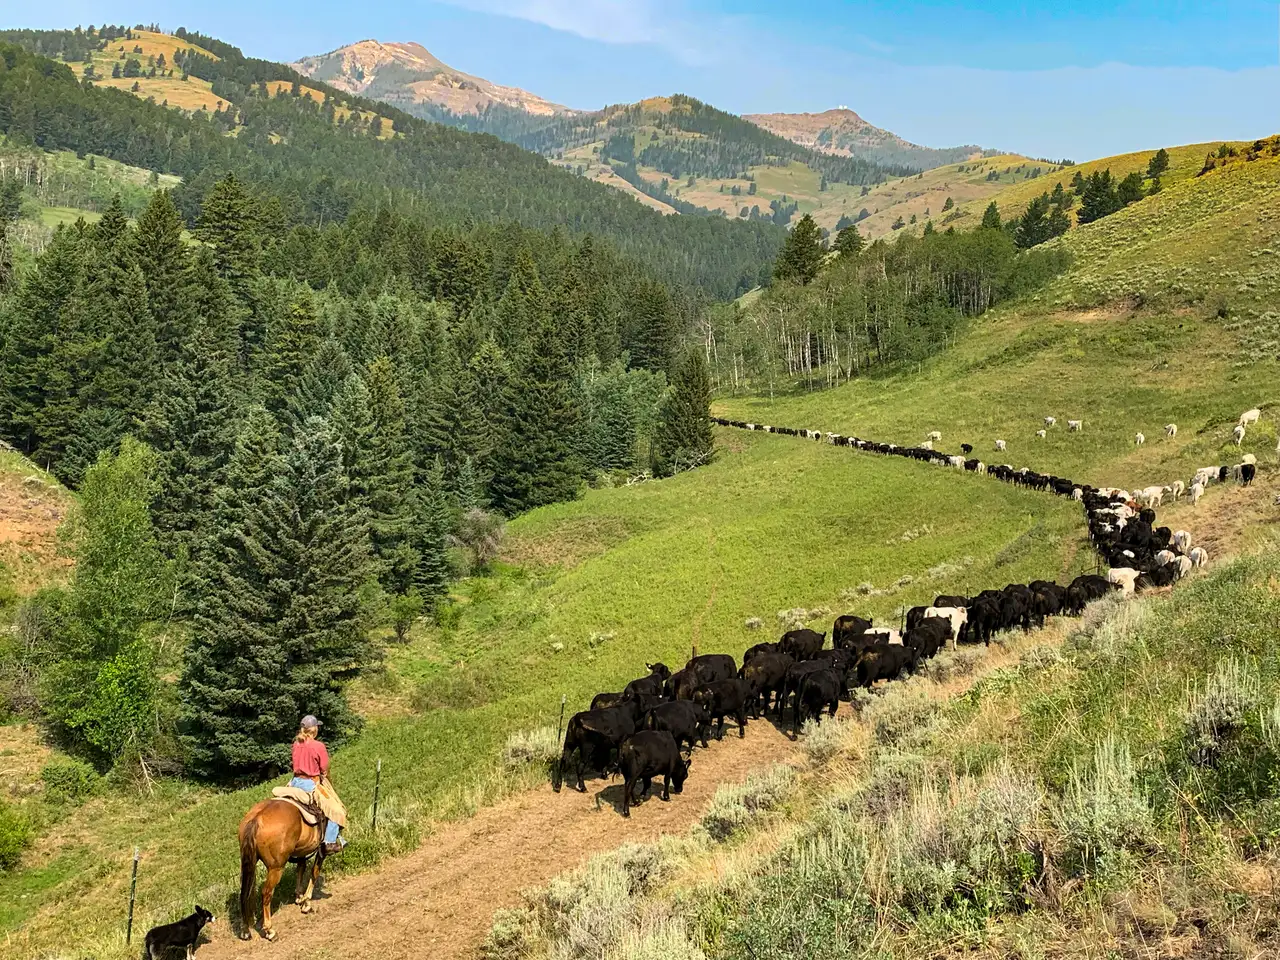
point(182, 934)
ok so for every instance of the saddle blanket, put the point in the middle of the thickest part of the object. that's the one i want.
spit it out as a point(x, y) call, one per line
point(300, 799)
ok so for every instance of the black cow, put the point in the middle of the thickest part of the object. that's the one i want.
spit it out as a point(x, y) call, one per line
point(649, 754)
point(680, 685)
point(884, 661)
point(966, 448)
point(711, 667)
point(803, 644)
point(914, 616)
point(725, 697)
point(984, 620)
point(795, 674)
point(683, 719)
point(942, 600)
point(650, 686)
point(1085, 589)
point(817, 690)
point(757, 650)
point(1247, 473)
point(928, 637)
point(602, 701)
point(847, 630)
point(594, 734)
point(767, 675)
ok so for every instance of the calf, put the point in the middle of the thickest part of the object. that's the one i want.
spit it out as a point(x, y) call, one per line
point(711, 667)
point(956, 617)
point(594, 735)
point(685, 720)
point(602, 701)
point(649, 754)
point(650, 686)
point(928, 637)
point(722, 698)
point(757, 650)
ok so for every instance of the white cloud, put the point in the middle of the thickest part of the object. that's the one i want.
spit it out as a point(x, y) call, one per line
point(608, 21)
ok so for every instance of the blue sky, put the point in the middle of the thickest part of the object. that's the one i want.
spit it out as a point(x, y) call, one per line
point(1079, 80)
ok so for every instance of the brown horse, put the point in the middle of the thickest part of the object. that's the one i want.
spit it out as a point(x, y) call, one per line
point(275, 833)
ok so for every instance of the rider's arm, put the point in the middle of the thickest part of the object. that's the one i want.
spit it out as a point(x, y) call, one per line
point(324, 760)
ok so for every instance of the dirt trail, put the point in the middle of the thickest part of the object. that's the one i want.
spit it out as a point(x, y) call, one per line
point(438, 901)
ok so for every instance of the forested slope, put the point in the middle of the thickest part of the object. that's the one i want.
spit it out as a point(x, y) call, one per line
point(319, 170)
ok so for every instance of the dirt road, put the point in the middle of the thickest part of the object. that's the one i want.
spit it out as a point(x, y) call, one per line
point(438, 901)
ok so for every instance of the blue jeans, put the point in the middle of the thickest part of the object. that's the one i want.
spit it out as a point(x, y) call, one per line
point(309, 785)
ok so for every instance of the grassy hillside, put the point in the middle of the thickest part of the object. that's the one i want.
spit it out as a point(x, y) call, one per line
point(1167, 316)
point(588, 592)
point(1101, 790)
point(32, 505)
point(1184, 163)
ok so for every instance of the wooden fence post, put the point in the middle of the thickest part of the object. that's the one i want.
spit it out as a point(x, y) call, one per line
point(377, 787)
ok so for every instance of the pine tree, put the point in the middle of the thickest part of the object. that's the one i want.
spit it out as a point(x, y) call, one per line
point(802, 254)
point(991, 218)
point(1130, 189)
point(1059, 222)
point(523, 305)
point(683, 439)
point(293, 342)
point(191, 424)
point(164, 259)
point(849, 241)
point(228, 226)
point(320, 383)
point(279, 626)
point(535, 465)
point(1159, 164)
point(42, 354)
point(653, 326)
point(432, 525)
point(390, 469)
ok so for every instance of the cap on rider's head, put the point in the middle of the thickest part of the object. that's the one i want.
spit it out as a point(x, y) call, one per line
point(310, 721)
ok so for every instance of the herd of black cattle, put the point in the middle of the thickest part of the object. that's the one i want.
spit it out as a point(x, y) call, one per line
point(642, 730)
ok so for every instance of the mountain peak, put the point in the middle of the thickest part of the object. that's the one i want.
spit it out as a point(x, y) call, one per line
point(408, 73)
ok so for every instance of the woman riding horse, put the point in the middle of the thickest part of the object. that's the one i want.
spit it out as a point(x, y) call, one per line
point(276, 833)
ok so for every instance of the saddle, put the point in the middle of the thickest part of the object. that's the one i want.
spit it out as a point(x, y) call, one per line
point(302, 800)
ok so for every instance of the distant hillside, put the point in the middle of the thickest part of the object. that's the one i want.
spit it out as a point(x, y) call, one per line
point(314, 143)
point(843, 133)
point(408, 75)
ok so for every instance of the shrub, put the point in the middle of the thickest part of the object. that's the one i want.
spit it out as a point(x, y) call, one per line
point(660, 939)
point(736, 805)
point(1103, 815)
point(15, 835)
point(813, 906)
point(67, 780)
point(903, 716)
point(531, 748)
point(948, 664)
point(404, 609)
point(1041, 658)
point(480, 536)
point(1221, 708)
point(753, 623)
point(824, 741)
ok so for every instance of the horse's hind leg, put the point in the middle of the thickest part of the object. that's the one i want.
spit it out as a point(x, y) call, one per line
point(302, 886)
point(268, 890)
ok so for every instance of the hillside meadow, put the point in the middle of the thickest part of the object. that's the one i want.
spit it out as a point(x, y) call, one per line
point(1101, 788)
point(588, 591)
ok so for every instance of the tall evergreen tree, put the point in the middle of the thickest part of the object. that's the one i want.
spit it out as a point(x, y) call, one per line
point(390, 496)
point(228, 226)
point(1159, 164)
point(991, 217)
point(432, 525)
point(849, 241)
point(191, 423)
point(683, 438)
point(279, 627)
point(802, 254)
point(536, 464)
point(165, 260)
point(294, 341)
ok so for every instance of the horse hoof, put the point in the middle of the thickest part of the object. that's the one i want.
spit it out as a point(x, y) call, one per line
point(306, 906)
point(269, 936)
point(246, 936)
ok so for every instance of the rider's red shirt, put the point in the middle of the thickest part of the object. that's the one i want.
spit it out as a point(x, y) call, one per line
point(311, 759)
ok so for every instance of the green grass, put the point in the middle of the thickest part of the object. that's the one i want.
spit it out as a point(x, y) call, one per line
point(623, 576)
point(1051, 807)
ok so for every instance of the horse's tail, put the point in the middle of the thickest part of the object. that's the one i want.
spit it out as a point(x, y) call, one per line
point(248, 869)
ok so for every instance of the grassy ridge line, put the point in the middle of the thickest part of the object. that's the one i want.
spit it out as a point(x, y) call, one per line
point(920, 791)
point(608, 582)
